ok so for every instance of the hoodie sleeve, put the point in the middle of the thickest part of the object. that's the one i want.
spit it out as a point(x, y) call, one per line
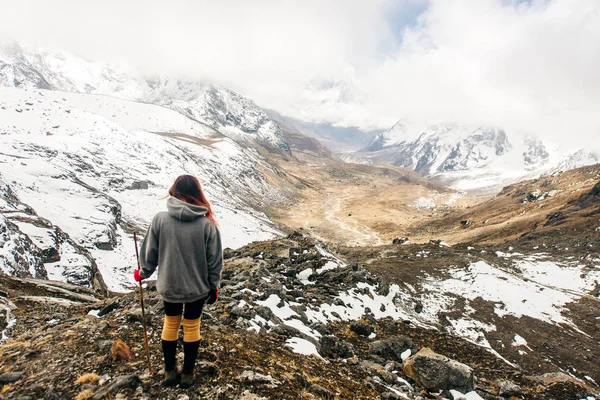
point(149, 251)
point(214, 256)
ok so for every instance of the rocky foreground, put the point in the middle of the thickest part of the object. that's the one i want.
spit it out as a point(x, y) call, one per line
point(293, 322)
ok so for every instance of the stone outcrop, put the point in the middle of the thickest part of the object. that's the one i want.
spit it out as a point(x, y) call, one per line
point(437, 372)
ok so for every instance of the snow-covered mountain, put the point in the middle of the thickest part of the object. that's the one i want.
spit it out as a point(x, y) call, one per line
point(94, 167)
point(88, 152)
point(231, 114)
point(468, 157)
point(228, 112)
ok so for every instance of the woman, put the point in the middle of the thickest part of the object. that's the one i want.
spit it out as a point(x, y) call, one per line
point(186, 243)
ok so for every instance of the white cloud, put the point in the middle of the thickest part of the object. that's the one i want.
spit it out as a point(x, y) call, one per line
point(531, 66)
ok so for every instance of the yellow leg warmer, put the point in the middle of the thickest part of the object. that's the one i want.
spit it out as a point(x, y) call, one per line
point(171, 327)
point(191, 330)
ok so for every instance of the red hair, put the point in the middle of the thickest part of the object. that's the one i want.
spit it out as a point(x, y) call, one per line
point(187, 188)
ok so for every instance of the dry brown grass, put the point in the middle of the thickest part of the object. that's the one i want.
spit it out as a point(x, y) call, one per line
point(85, 395)
point(120, 351)
point(86, 378)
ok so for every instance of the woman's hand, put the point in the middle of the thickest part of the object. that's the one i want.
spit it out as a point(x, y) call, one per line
point(136, 275)
point(213, 296)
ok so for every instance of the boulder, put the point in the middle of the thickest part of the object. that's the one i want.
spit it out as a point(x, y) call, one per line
point(361, 328)
point(10, 377)
point(255, 377)
point(392, 347)
point(509, 389)
point(104, 345)
point(437, 372)
point(378, 369)
point(135, 315)
point(121, 382)
point(334, 347)
point(207, 368)
point(286, 330)
point(400, 240)
point(139, 185)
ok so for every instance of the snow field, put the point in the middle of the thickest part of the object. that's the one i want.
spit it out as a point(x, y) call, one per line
point(72, 158)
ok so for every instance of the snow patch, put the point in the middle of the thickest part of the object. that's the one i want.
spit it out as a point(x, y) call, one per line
point(302, 346)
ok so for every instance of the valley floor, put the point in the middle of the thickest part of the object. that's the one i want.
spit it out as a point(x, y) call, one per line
point(359, 205)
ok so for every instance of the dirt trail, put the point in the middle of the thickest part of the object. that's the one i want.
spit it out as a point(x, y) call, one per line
point(361, 234)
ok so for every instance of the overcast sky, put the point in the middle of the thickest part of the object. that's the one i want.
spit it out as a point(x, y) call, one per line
point(527, 65)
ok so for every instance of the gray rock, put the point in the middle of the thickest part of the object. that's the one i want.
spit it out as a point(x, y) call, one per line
point(380, 370)
point(9, 377)
point(108, 308)
point(135, 315)
point(334, 347)
point(509, 389)
point(339, 302)
point(400, 240)
point(120, 382)
point(418, 306)
point(392, 347)
point(244, 312)
point(207, 368)
point(286, 330)
point(437, 372)
point(104, 345)
point(320, 391)
point(264, 312)
point(103, 327)
point(361, 328)
point(255, 377)
point(139, 185)
point(296, 293)
point(322, 328)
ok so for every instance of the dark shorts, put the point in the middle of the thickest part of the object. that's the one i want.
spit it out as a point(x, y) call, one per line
point(190, 311)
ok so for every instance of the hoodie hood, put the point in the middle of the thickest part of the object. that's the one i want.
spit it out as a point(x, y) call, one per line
point(184, 211)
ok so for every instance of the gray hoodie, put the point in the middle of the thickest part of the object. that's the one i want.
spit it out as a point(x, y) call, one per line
point(187, 247)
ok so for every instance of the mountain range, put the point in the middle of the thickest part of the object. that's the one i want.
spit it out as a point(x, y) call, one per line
point(469, 157)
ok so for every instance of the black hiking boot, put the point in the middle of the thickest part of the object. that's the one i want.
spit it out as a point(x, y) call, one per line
point(187, 380)
point(190, 351)
point(169, 348)
point(171, 378)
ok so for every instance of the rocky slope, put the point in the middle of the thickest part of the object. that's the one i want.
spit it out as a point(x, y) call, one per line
point(294, 321)
point(539, 211)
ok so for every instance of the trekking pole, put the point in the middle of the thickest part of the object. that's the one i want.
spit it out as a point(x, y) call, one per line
point(137, 256)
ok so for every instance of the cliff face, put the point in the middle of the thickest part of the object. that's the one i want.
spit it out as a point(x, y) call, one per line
point(33, 247)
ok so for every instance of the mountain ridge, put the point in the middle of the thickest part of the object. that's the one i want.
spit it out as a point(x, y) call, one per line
point(469, 157)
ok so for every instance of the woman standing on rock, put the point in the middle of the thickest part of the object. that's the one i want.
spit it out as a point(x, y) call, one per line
point(185, 242)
